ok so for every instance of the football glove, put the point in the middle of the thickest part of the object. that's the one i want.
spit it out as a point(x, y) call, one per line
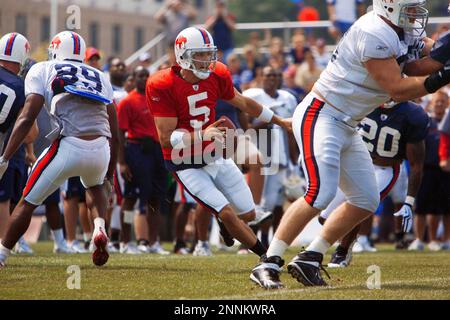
point(405, 212)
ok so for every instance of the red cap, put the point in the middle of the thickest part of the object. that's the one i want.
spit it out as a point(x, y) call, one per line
point(90, 52)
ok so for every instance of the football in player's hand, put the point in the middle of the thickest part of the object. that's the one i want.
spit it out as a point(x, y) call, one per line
point(230, 137)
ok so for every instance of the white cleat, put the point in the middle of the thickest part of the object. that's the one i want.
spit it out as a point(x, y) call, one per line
point(202, 249)
point(111, 248)
point(22, 247)
point(416, 245)
point(78, 247)
point(434, 246)
point(128, 248)
point(156, 248)
point(63, 248)
point(363, 245)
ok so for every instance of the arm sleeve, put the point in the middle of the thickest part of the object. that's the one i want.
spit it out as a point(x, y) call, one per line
point(373, 47)
point(160, 102)
point(34, 81)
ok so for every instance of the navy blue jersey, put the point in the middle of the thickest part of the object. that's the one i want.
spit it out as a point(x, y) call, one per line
point(12, 98)
point(386, 131)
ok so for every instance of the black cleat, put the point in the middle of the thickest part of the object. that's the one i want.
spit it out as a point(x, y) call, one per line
point(401, 245)
point(227, 238)
point(340, 260)
point(267, 272)
point(305, 267)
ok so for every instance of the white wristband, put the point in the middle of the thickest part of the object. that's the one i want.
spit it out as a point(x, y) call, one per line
point(176, 139)
point(410, 200)
point(266, 115)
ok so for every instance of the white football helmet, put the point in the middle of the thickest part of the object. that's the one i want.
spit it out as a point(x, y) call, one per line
point(192, 41)
point(407, 14)
point(14, 47)
point(67, 45)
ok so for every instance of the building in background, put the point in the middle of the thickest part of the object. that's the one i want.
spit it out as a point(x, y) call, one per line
point(116, 27)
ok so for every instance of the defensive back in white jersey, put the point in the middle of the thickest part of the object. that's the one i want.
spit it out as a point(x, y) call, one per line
point(76, 115)
point(346, 83)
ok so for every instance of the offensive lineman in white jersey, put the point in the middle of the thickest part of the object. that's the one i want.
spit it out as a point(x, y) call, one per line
point(364, 72)
point(79, 98)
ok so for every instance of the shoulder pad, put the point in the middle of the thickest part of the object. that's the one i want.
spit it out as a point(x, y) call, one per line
point(162, 79)
point(221, 70)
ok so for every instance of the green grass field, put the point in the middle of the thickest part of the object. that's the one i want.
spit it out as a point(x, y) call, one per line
point(225, 276)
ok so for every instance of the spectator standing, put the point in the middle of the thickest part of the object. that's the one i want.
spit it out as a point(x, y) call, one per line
point(343, 13)
point(141, 166)
point(222, 25)
point(298, 50)
point(321, 55)
point(175, 16)
point(307, 73)
point(93, 57)
point(434, 193)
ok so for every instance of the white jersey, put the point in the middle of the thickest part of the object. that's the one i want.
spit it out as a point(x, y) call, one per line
point(284, 106)
point(75, 115)
point(346, 83)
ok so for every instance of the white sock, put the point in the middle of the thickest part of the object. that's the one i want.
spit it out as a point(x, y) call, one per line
point(4, 253)
point(58, 235)
point(319, 244)
point(87, 236)
point(99, 223)
point(277, 248)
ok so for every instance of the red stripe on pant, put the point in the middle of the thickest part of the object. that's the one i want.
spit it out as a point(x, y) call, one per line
point(200, 202)
point(307, 133)
point(40, 167)
point(385, 192)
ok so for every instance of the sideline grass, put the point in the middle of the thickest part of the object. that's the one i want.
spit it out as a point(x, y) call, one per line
point(225, 276)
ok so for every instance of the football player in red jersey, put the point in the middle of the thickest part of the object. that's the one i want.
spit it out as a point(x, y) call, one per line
point(182, 100)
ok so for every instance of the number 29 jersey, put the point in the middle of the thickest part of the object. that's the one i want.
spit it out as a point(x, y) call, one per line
point(169, 95)
point(386, 132)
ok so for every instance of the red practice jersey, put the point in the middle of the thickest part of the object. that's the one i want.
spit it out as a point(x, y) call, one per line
point(168, 95)
point(135, 118)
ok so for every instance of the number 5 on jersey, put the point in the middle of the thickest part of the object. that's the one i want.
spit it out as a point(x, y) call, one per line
point(196, 111)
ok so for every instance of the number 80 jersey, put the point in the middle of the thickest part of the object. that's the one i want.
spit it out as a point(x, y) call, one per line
point(386, 132)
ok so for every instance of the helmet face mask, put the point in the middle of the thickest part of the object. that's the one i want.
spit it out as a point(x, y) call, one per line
point(201, 61)
point(410, 15)
point(413, 17)
point(195, 51)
